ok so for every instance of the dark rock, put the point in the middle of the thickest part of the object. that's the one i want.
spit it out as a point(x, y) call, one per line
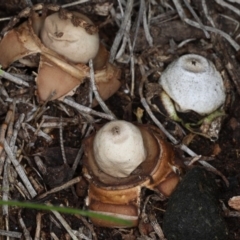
point(193, 211)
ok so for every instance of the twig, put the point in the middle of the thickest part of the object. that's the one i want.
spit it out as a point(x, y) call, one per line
point(146, 27)
point(5, 19)
point(64, 186)
point(37, 186)
point(205, 10)
point(87, 110)
point(10, 234)
point(65, 224)
point(54, 236)
point(22, 189)
point(124, 41)
point(139, 20)
point(40, 165)
point(196, 18)
point(74, 3)
point(182, 15)
point(158, 230)
point(11, 78)
point(121, 31)
point(38, 133)
point(96, 94)
point(19, 170)
point(38, 228)
point(62, 143)
point(16, 130)
point(26, 233)
point(88, 225)
point(229, 6)
point(5, 188)
point(80, 152)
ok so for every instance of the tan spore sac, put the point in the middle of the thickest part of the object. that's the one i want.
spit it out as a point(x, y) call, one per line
point(70, 41)
point(109, 194)
point(193, 83)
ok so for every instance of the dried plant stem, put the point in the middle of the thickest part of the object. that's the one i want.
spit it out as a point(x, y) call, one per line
point(229, 6)
point(65, 224)
point(16, 130)
point(88, 225)
point(196, 18)
point(19, 170)
point(158, 230)
point(54, 236)
point(10, 234)
point(5, 189)
point(146, 26)
point(95, 91)
point(22, 189)
point(74, 3)
point(64, 186)
point(121, 31)
point(61, 142)
point(87, 110)
point(80, 152)
point(38, 132)
point(5, 19)
point(205, 10)
point(182, 15)
point(12, 78)
point(139, 20)
point(23, 226)
point(38, 228)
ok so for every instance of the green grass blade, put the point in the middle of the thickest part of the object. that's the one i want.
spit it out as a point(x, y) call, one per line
point(66, 210)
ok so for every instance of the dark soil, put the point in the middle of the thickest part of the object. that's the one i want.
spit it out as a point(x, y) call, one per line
point(168, 34)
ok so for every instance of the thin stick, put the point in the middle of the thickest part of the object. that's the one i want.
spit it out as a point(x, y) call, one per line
point(80, 152)
point(38, 133)
point(158, 230)
point(205, 10)
point(146, 26)
point(61, 142)
point(17, 127)
point(38, 228)
point(96, 94)
point(233, 43)
point(196, 18)
point(5, 19)
point(5, 190)
point(65, 224)
point(10, 234)
point(23, 226)
point(139, 20)
point(182, 15)
point(121, 31)
point(229, 6)
point(64, 186)
point(87, 110)
point(74, 3)
point(12, 78)
point(19, 170)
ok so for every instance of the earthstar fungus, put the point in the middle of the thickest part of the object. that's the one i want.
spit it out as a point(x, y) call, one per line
point(192, 83)
point(115, 190)
point(65, 41)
